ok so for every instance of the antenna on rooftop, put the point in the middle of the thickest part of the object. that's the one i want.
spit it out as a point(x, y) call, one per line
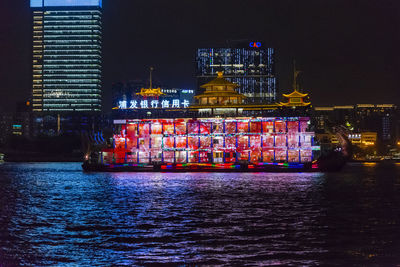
point(151, 78)
point(295, 76)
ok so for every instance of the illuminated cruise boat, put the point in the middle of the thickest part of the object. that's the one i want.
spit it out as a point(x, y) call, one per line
point(218, 133)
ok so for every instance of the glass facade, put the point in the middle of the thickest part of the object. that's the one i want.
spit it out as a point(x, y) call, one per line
point(251, 68)
point(211, 140)
point(67, 57)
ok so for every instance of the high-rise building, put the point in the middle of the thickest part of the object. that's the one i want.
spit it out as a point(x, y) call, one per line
point(251, 67)
point(66, 56)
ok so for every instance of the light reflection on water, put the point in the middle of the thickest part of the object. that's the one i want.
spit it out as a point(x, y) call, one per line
point(54, 214)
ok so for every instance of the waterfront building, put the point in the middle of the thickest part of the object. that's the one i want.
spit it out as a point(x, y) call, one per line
point(216, 129)
point(379, 118)
point(252, 67)
point(66, 56)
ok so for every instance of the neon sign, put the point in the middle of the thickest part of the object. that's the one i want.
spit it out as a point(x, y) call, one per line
point(255, 44)
point(146, 104)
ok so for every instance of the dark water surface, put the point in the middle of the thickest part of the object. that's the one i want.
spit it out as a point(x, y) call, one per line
point(54, 214)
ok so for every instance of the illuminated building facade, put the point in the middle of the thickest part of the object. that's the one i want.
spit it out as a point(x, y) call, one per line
point(193, 135)
point(211, 140)
point(66, 56)
point(252, 68)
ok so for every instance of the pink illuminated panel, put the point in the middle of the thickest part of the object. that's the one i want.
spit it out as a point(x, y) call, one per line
point(255, 127)
point(230, 127)
point(168, 127)
point(218, 127)
point(180, 127)
point(180, 142)
point(243, 127)
point(280, 126)
point(268, 126)
point(156, 128)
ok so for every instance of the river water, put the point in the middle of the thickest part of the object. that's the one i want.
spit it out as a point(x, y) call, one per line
point(55, 214)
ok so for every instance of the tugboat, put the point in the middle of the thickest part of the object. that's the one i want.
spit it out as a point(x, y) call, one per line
point(218, 133)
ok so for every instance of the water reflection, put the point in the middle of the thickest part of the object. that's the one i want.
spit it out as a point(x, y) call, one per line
point(54, 214)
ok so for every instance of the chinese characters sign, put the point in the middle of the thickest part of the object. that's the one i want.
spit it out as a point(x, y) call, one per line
point(145, 104)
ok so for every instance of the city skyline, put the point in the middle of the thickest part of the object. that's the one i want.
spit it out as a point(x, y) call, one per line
point(347, 51)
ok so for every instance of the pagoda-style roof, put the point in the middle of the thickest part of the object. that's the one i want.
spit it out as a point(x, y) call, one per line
point(220, 81)
point(295, 99)
point(295, 93)
point(220, 91)
point(220, 94)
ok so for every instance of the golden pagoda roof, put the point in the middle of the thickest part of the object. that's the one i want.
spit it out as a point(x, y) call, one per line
point(301, 104)
point(295, 93)
point(220, 81)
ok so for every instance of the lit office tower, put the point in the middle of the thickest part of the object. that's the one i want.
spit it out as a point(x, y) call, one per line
point(66, 55)
point(251, 67)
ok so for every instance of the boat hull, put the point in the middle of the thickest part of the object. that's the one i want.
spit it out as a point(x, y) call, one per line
point(235, 167)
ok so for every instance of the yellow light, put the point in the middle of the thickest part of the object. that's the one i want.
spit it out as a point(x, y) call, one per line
point(368, 143)
point(150, 92)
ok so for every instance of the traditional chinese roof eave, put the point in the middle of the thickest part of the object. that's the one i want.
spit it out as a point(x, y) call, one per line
point(220, 94)
point(295, 105)
point(243, 106)
point(220, 81)
point(295, 93)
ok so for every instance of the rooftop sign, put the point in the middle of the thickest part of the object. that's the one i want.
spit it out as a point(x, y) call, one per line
point(65, 3)
point(144, 104)
point(255, 44)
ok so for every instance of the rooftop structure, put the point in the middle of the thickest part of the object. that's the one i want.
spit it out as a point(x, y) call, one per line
point(220, 92)
point(295, 99)
point(151, 92)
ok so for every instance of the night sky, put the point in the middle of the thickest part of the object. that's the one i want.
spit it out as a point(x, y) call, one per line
point(348, 50)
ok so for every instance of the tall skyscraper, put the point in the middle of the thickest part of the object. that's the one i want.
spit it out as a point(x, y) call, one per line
point(251, 67)
point(66, 56)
